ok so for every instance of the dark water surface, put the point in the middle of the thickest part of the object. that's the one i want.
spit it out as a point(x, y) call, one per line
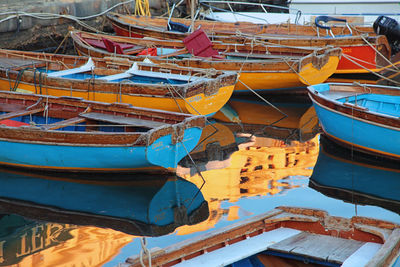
point(263, 160)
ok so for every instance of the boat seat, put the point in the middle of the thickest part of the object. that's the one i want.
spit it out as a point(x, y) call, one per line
point(122, 120)
point(134, 70)
point(63, 123)
point(20, 113)
point(89, 65)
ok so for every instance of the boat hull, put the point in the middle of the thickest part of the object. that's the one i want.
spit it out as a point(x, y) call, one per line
point(160, 156)
point(356, 126)
point(199, 104)
point(359, 133)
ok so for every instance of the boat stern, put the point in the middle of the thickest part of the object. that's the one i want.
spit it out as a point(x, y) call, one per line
point(319, 66)
point(166, 148)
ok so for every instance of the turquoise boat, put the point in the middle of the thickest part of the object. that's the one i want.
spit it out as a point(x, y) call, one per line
point(70, 134)
point(362, 117)
point(356, 177)
point(141, 205)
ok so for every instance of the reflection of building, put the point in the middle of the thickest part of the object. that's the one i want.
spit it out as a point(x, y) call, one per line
point(259, 169)
point(88, 246)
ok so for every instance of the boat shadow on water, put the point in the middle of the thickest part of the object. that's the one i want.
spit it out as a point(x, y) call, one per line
point(145, 206)
point(356, 177)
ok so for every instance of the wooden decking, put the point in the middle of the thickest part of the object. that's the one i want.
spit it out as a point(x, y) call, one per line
point(326, 249)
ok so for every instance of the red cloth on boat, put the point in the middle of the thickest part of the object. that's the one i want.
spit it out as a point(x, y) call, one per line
point(149, 51)
point(13, 123)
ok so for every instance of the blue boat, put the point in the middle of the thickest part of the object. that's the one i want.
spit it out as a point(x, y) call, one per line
point(356, 178)
point(70, 134)
point(362, 117)
point(147, 205)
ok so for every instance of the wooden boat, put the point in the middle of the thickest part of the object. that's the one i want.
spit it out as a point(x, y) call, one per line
point(166, 87)
point(70, 134)
point(142, 26)
point(284, 236)
point(356, 177)
point(261, 67)
point(360, 52)
point(138, 205)
point(363, 117)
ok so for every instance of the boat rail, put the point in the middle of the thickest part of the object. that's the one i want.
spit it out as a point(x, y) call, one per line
point(263, 7)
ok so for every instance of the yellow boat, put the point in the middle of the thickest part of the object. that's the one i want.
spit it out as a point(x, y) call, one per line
point(261, 67)
point(165, 87)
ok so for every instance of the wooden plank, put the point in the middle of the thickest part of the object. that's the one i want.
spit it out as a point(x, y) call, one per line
point(240, 250)
point(20, 113)
point(320, 247)
point(14, 63)
point(122, 120)
point(63, 123)
point(362, 255)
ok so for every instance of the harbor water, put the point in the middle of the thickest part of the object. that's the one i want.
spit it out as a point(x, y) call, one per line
point(252, 157)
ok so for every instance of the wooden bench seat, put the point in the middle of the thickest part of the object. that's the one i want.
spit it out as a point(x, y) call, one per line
point(122, 120)
point(63, 123)
point(20, 113)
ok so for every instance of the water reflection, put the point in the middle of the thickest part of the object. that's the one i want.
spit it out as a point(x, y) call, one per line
point(356, 177)
point(25, 242)
point(148, 205)
point(287, 121)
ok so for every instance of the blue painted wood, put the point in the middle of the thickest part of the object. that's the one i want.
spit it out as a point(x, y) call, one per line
point(378, 138)
point(149, 203)
point(161, 153)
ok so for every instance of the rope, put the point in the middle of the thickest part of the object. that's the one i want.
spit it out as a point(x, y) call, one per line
point(379, 53)
point(144, 251)
point(45, 16)
point(142, 8)
point(373, 72)
point(298, 74)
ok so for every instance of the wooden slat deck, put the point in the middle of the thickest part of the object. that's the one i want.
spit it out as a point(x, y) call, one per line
point(20, 113)
point(15, 63)
point(122, 120)
point(63, 123)
point(319, 247)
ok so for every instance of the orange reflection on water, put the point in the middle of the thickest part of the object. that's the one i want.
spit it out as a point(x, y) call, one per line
point(89, 246)
point(260, 169)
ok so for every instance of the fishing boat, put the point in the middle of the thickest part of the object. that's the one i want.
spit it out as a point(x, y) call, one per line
point(362, 117)
point(363, 51)
point(287, 236)
point(166, 87)
point(70, 134)
point(265, 68)
point(140, 205)
point(356, 177)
